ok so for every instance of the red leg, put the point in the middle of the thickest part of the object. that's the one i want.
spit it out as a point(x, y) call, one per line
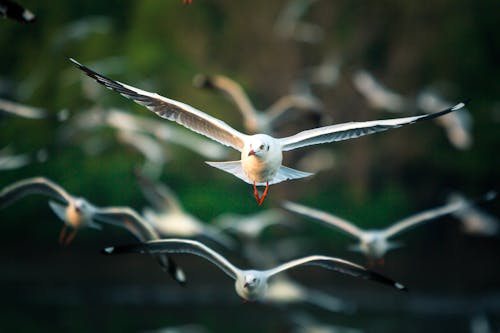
point(70, 237)
point(256, 193)
point(264, 195)
point(62, 234)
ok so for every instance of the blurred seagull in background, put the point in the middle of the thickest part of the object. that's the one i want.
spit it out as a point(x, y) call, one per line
point(256, 121)
point(9, 160)
point(374, 243)
point(251, 285)
point(288, 24)
point(21, 110)
point(457, 125)
point(261, 154)
point(378, 96)
point(16, 12)
point(169, 217)
point(76, 213)
point(474, 220)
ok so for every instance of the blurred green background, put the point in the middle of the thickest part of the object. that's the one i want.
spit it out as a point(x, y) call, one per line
point(160, 46)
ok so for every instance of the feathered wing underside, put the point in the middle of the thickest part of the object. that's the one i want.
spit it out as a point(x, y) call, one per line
point(425, 216)
point(325, 218)
point(170, 109)
point(353, 130)
point(174, 245)
point(38, 185)
point(235, 168)
point(338, 265)
point(128, 219)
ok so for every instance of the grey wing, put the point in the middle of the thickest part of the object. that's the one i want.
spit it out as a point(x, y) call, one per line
point(127, 218)
point(174, 245)
point(338, 265)
point(37, 185)
point(422, 217)
point(159, 195)
point(170, 109)
point(325, 218)
point(353, 130)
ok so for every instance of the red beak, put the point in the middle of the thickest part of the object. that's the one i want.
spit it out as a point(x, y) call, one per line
point(245, 285)
point(251, 152)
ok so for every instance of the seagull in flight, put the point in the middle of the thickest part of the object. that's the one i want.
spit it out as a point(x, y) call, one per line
point(256, 121)
point(75, 212)
point(251, 285)
point(16, 12)
point(374, 243)
point(261, 154)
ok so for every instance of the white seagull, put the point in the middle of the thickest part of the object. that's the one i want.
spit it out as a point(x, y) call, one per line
point(474, 220)
point(170, 219)
point(251, 285)
point(374, 243)
point(256, 121)
point(261, 154)
point(76, 213)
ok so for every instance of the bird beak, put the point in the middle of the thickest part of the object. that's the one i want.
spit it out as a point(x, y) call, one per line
point(251, 152)
point(245, 285)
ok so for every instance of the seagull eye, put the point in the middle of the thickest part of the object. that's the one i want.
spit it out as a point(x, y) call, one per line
point(261, 147)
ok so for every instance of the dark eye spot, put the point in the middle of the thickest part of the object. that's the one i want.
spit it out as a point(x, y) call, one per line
point(261, 147)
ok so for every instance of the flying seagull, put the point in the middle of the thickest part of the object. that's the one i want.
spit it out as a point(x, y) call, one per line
point(251, 285)
point(261, 154)
point(256, 121)
point(374, 243)
point(16, 12)
point(75, 212)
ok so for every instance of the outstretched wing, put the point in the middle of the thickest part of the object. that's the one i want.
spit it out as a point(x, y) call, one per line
point(174, 245)
point(170, 109)
point(325, 218)
point(338, 265)
point(37, 185)
point(353, 130)
point(127, 218)
point(159, 195)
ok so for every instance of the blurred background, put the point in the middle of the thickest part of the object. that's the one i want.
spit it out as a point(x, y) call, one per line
point(446, 49)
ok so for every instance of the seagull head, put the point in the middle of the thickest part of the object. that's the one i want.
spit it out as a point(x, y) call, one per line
point(251, 281)
point(259, 145)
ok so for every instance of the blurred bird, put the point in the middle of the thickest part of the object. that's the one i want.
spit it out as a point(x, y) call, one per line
point(169, 217)
point(457, 125)
point(9, 160)
point(21, 110)
point(12, 10)
point(374, 243)
point(474, 220)
point(261, 154)
point(127, 218)
point(251, 285)
point(288, 24)
point(378, 96)
point(75, 212)
point(256, 121)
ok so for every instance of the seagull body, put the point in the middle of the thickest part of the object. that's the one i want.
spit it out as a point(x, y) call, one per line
point(251, 285)
point(256, 121)
point(75, 212)
point(261, 154)
point(374, 243)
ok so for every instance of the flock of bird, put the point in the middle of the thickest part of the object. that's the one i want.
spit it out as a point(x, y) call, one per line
point(167, 228)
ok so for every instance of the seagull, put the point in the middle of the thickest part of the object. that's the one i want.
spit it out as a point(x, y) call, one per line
point(15, 11)
point(127, 218)
point(288, 24)
point(251, 285)
point(21, 110)
point(75, 212)
point(256, 121)
point(374, 243)
point(378, 96)
point(261, 154)
point(170, 219)
point(474, 220)
point(457, 125)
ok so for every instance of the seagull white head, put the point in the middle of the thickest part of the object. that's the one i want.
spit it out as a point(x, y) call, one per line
point(251, 281)
point(259, 145)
